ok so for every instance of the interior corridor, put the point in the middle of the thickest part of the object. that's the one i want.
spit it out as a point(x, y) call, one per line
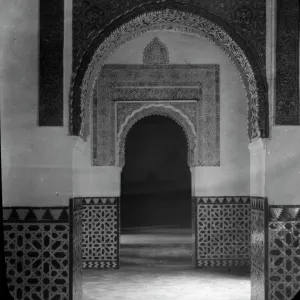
point(157, 264)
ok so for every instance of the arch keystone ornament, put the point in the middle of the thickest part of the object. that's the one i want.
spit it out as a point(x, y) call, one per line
point(186, 19)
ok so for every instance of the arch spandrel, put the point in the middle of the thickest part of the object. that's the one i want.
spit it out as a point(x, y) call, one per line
point(252, 76)
point(161, 110)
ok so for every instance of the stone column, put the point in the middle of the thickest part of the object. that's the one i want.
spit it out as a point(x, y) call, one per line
point(275, 216)
point(271, 55)
point(258, 168)
point(282, 174)
point(259, 220)
point(259, 248)
point(194, 216)
point(99, 189)
point(284, 251)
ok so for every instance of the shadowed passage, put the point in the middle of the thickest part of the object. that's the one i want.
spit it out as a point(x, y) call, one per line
point(156, 195)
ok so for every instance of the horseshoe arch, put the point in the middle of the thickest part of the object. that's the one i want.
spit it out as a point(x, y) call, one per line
point(168, 19)
point(162, 110)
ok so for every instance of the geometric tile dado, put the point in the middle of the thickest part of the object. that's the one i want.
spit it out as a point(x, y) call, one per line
point(37, 259)
point(37, 252)
point(284, 213)
point(275, 250)
point(284, 252)
point(100, 232)
point(259, 247)
point(44, 255)
point(41, 247)
point(222, 231)
point(36, 214)
point(76, 244)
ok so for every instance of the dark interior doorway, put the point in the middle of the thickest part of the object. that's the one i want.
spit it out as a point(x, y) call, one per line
point(156, 193)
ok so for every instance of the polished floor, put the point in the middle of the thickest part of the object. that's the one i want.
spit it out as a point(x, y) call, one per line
point(157, 264)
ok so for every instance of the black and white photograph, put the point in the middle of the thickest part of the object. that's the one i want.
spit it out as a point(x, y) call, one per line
point(150, 149)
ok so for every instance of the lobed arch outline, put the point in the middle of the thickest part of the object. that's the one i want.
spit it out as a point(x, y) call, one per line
point(168, 111)
point(177, 20)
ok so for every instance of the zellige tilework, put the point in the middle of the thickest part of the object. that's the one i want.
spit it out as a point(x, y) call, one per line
point(76, 244)
point(37, 252)
point(223, 231)
point(259, 244)
point(100, 231)
point(284, 252)
point(43, 252)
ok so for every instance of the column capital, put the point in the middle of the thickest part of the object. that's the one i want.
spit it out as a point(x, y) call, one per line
point(258, 144)
point(78, 143)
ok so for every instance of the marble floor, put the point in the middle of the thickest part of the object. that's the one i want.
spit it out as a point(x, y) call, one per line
point(157, 264)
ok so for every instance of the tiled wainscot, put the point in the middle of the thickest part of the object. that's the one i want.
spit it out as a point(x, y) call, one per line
point(284, 252)
point(100, 232)
point(41, 251)
point(222, 231)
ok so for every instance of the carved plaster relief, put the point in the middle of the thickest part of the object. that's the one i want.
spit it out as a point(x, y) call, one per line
point(287, 109)
point(253, 77)
point(131, 115)
point(134, 86)
point(156, 53)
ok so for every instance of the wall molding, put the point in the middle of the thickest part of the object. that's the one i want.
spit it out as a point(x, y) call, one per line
point(23, 214)
point(284, 213)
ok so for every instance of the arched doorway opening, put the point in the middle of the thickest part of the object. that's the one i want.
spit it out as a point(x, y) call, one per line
point(156, 222)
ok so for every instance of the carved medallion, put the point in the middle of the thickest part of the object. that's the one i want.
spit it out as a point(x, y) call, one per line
point(156, 53)
point(244, 15)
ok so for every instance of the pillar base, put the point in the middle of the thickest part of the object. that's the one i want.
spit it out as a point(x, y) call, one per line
point(275, 250)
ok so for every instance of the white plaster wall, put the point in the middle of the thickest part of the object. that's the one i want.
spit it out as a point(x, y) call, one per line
point(36, 160)
point(93, 181)
point(283, 165)
point(233, 176)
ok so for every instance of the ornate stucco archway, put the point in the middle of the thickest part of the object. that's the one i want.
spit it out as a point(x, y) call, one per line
point(162, 110)
point(182, 19)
